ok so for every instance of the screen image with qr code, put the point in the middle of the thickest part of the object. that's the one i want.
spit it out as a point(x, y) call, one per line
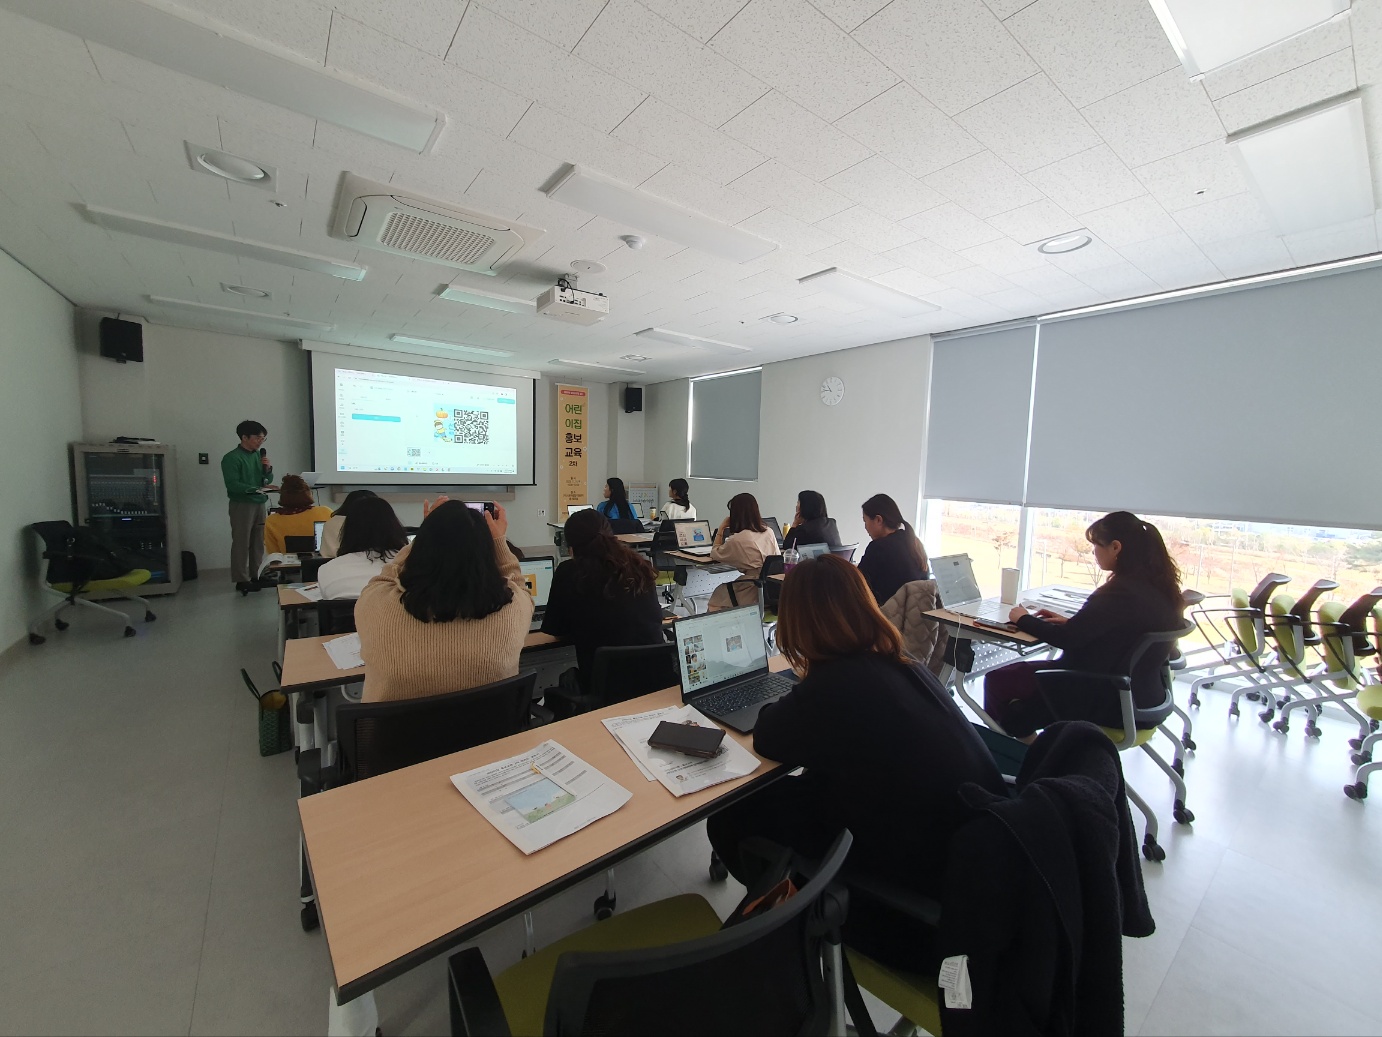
point(398, 423)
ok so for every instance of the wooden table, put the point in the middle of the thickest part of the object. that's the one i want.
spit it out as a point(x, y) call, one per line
point(694, 559)
point(634, 539)
point(405, 869)
point(289, 598)
point(307, 667)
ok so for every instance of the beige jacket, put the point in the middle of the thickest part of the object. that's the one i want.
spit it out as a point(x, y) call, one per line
point(408, 659)
point(922, 636)
point(745, 551)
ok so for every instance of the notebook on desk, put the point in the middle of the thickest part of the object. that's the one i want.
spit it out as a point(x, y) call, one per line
point(693, 538)
point(724, 666)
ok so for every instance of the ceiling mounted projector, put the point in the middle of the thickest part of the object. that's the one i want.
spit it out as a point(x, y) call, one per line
point(572, 305)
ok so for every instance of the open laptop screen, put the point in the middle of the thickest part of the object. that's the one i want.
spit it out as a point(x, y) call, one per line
point(719, 646)
point(693, 534)
point(954, 576)
point(537, 575)
point(317, 528)
point(805, 551)
point(771, 522)
point(571, 509)
point(637, 510)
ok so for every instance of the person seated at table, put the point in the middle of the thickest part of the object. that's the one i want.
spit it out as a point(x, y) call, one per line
point(296, 515)
point(742, 541)
point(678, 504)
point(894, 555)
point(370, 540)
point(811, 524)
point(1141, 596)
point(604, 595)
point(450, 611)
point(331, 532)
point(616, 506)
point(884, 746)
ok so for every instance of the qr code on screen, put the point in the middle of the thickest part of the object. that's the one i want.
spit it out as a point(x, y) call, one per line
point(470, 427)
point(414, 451)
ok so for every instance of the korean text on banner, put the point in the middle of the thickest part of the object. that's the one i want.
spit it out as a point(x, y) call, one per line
point(572, 424)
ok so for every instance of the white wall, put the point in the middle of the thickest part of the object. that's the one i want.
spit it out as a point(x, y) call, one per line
point(873, 441)
point(39, 415)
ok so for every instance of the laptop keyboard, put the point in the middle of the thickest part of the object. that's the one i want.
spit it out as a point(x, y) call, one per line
point(741, 696)
point(989, 611)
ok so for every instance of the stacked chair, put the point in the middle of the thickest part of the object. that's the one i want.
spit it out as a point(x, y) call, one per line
point(1237, 636)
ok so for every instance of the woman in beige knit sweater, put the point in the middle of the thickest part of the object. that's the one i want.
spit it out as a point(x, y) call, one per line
point(450, 611)
point(743, 541)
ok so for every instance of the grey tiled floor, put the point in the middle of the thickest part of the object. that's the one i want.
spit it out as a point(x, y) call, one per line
point(148, 875)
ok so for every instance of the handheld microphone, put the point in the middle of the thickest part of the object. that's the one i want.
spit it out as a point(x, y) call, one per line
point(263, 452)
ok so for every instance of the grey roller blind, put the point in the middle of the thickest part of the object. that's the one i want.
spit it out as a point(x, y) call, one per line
point(724, 426)
point(976, 437)
point(1259, 404)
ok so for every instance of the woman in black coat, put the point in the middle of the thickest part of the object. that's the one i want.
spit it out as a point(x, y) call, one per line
point(811, 524)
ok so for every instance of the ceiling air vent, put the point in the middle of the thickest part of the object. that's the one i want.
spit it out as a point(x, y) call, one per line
point(379, 216)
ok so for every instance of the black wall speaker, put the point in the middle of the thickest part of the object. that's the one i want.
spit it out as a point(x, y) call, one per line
point(633, 399)
point(122, 340)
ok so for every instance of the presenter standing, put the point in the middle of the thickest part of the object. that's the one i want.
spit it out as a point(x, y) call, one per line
point(247, 472)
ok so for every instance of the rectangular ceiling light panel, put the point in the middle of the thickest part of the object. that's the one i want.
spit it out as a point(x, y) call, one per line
point(867, 293)
point(178, 234)
point(251, 315)
point(459, 347)
point(1311, 168)
point(678, 338)
point(1207, 34)
point(220, 56)
point(590, 192)
point(473, 297)
point(602, 367)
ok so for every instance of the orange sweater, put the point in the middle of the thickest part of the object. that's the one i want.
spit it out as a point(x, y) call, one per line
point(277, 526)
point(408, 659)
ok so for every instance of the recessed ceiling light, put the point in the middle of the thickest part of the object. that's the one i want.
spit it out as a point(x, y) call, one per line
point(602, 367)
point(679, 338)
point(230, 311)
point(1208, 34)
point(587, 266)
point(460, 347)
point(474, 297)
point(632, 356)
point(231, 167)
point(781, 318)
point(1064, 243)
point(867, 293)
point(245, 290)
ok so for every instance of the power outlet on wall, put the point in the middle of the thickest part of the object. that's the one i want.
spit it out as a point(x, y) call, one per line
point(541, 512)
point(203, 459)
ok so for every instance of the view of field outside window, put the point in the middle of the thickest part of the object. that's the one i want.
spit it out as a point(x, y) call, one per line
point(985, 532)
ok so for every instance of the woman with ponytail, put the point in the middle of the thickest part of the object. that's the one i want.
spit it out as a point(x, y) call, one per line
point(895, 555)
point(1141, 596)
point(604, 595)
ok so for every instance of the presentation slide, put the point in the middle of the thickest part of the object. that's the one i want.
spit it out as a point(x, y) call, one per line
point(391, 422)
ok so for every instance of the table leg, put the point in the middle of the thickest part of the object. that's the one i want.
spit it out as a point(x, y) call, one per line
point(358, 1018)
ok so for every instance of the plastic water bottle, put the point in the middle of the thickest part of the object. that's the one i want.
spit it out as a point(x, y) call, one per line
point(790, 557)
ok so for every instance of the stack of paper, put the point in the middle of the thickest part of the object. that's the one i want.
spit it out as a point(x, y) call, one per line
point(540, 796)
point(344, 651)
point(678, 772)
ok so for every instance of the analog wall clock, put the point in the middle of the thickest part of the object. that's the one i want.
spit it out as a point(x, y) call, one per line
point(832, 391)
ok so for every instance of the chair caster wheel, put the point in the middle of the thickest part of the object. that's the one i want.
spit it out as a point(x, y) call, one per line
point(1357, 790)
point(129, 631)
point(1179, 767)
point(1233, 711)
point(308, 918)
point(1182, 815)
point(604, 907)
point(149, 617)
point(1195, 701)
point(36, 639)
point(1355, 743)
point(1281, 726)
point(1312, 731)
point(1209, 684)
point(1253, 696)
point(61, 624)
point(718, 871)
point(1153, 851)
point(1361, 758)
point(1266, 715)
point(1188, 744)
point(1373, 725)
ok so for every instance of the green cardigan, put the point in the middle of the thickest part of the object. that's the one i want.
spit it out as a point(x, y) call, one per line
point(243, 474)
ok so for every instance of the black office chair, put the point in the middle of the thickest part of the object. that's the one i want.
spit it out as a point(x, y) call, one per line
point(669, 967)
point(626, 525)
point(336, 616)
point(664, 540)
point(620, 674)
point(374, 738)
point(311, 565)
point(845, 551)
point(80, 562)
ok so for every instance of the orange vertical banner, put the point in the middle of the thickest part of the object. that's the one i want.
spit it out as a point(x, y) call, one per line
point(572, 426)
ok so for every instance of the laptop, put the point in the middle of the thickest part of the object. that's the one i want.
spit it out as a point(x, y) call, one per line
point(571, 509)
point(317, 528)
point(771, 522)
point(299, 545)
point(959, 591)
point(724, 666)
point(806, 551)
point(693, 538)
point(537, 576)
point(637, 511)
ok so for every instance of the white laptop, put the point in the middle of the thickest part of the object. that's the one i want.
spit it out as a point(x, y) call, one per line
point(959, 590)
point(571, 509)
point(808, 551)
point(693, 538)
point(537, 576)
point(317, 528)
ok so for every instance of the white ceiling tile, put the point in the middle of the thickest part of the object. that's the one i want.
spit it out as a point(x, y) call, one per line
point(926, 257)
point(1163, 116)
point(32, 53)
point(1354, 238)
point(1093, 256)
point(1008, 8)
point(660, 130)
point(1322, 78)
point(911, 282)
point(1004, 256)
point(984, 184)
point(1034, 222)
point(1236, 216)
point(955, 52)
point(1193, 177)
point(552, 133)
point(301, 26)
point(788, 191)
point(497, 50)
point(1094, 48)
point(1172, 259)
point(854, 258)
point(787, 44)
point(1253, 254)
point(952, 227)
point(1365, 29)
point(378, 58)
point(702, 19)
point(1047, 280)
point(561, 23)
point(427, 26)
point(1090, 180)
point(1122, 280)
point(1325, 38)
point(700, 195)
point(880, 185)
point(849, 14)
point(1019, 302)
point(1138, 219)
point(977, 311)
point(788, 132)
point(865, 227)
point(976, 281)
point(1029, 125)
point(788, 232)
point(629, 41)
point(911, 131)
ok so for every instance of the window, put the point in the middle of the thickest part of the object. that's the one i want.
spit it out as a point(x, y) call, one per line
point(985, 532)
point(724, 426)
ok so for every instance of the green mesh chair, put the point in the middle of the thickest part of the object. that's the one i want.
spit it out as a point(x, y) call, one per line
point(1370, 702)
point(1237, 634)
point(1345, 641)
point(80, 563)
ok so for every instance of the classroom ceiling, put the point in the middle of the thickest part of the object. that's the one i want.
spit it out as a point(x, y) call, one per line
point(926, 144)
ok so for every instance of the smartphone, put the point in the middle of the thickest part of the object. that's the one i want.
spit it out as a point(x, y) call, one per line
point(685, 738)
point(475, 505)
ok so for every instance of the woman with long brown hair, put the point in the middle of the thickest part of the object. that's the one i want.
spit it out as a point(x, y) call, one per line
point(743, 541)
point(894, 556)
point(884, 747)
point(1140, 597)
point(603, 596)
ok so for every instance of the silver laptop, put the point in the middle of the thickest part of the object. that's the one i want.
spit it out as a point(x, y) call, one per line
point(537, 576)
point(806, 551)
point(959, 591)
point(693, 538)
point(724, 666)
